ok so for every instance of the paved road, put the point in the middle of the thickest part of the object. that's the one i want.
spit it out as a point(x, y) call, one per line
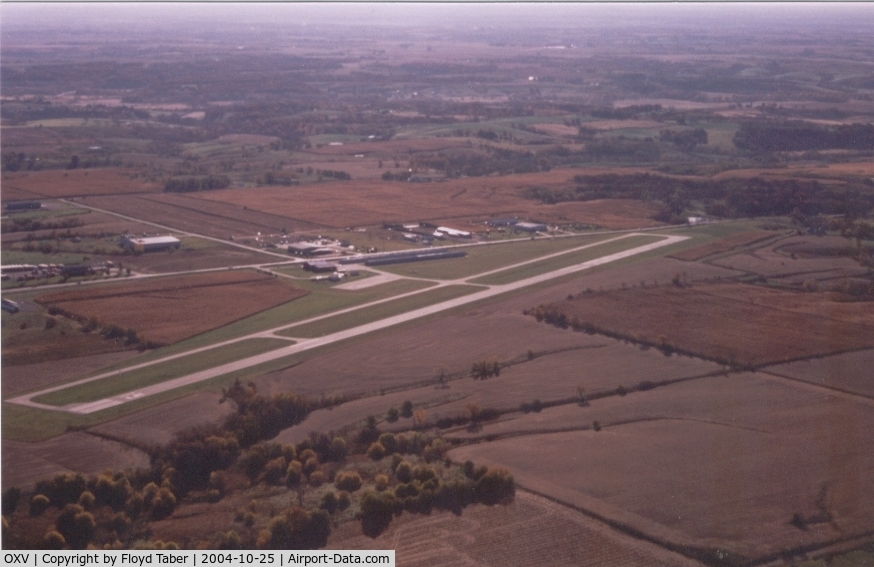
point(302, 345)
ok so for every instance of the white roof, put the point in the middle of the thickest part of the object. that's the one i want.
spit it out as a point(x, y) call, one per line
point(452, 231)
point(155, 240)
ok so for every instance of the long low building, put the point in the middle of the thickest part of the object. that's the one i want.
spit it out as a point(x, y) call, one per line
point(420, 256)
point(308, 249)
point(530, 226)
point(150, 243)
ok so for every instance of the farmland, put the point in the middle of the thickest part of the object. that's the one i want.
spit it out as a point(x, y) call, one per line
point(667, 365)
point(798, 325)
point(650, 449)
point(169, 310)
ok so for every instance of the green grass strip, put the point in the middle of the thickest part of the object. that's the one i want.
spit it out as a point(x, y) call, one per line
point(565, 260)
point(128, 381)
point(378, 312)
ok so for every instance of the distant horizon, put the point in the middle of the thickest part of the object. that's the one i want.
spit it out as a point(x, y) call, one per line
point(151, 16)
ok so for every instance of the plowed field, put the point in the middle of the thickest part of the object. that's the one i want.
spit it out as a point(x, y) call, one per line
point(722, 245)
point(71, 183)
point(171, 309)
point(367, 203)
point(746, 324)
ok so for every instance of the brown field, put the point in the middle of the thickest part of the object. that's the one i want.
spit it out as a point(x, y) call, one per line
point(40, 140)
point(37, 344)
point(775, 260)
point(803, 171)
point(28, 377)
point(219, 220)
point(530, 531)
point(160, 423)
point(849, 372)
point(419, 352)
point(598, 365)
point(167, 310)
point(718, 463)
point(723, 245)
point(745, 324)
point(362, 203)
point(78, 182)
point(217, 256)
point(26, 463)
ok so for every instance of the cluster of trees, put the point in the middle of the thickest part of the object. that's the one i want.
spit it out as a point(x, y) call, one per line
point(797, 135)
point(29, 225)
point(684, 139)
point(485, 369)
point(488, 162)
point(333, 174)
point(191, 183)
point(729, 198)
point(419, 489)
point(113, 510)
point(625, 113)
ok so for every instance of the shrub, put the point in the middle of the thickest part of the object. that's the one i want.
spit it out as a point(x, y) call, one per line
point(39, 503)
point(343, 500)
point(377, 511)
point(163, 504)
point(381, 482)
point(407, 409)
point(329, 502)
point(275, 471)
point(376, 451)
point(404, 472)
point(495, 486)
point(392, 415)
point(293, 474)
point(349, 481)
point(11, 497)
point(53, 540)
point(389, 442)
point(297, 528)
point(317, 478)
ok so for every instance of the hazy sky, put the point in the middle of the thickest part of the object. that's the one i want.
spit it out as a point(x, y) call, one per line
point(463, 15)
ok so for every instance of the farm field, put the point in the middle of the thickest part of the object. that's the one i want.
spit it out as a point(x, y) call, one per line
point(798, 325)
point(217, 222)
point(849, 372)
point(20, 378)
point(169, 310)
point(532, 530)
point(723, 245)
point(674, 373)
point(76, 451)
point(702, 464)
point(77, 183)
point(813, 260)
point(366, 203)
point(599, 365)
